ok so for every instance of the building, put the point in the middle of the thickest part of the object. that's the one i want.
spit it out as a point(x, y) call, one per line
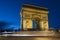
point(38, 15)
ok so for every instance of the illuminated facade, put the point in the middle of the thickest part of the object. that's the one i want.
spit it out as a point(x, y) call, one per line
point(30, 13)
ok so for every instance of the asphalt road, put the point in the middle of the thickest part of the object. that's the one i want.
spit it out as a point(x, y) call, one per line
point(29, 38)
point(31, 35)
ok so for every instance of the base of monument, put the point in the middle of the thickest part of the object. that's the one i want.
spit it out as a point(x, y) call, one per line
point(33, 29)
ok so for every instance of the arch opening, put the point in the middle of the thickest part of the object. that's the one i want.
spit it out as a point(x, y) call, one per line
point(37, 23)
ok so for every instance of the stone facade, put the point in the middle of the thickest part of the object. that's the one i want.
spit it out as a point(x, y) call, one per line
point(30, 13)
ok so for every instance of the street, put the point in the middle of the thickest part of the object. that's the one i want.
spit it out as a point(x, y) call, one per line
point(31, 35)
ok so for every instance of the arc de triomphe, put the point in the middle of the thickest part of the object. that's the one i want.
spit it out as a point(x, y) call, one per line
point(30, 13)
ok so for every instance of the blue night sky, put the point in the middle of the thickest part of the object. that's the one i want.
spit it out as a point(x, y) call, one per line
point(10, 9)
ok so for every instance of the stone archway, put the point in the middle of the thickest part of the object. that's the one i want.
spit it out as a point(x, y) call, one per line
point(37, 23)
point(38, 14)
